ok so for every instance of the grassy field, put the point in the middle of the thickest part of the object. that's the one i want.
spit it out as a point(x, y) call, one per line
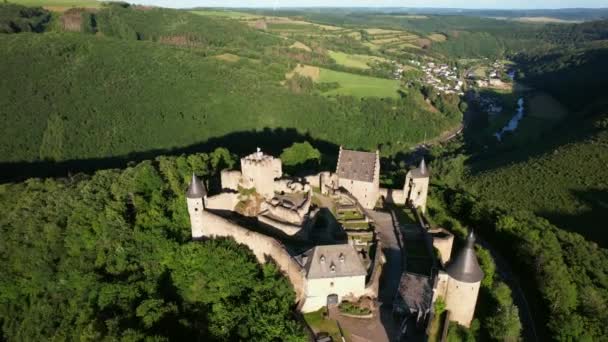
point(353, 60)
point(59, 5)
point(359, 86)
point(228, 14)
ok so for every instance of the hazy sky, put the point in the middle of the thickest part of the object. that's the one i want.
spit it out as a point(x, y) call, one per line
point(493, 4)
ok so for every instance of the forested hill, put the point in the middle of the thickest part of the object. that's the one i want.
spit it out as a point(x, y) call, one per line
point(139, 80)
point(110, 257)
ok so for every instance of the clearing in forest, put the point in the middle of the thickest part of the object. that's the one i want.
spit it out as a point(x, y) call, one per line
point(301, 46)
point(305, 70)
point(228, 57)
point(59, 5)
point(354, 61)
point(438, 37)
point(358, 85)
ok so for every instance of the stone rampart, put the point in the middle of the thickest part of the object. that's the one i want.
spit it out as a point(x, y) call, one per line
point(231, 179)
point(264, 248)
point(223, 201)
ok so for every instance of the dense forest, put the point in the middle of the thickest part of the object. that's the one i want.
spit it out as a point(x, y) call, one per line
point(76, 98)
point(565, 277)
point(109, 257)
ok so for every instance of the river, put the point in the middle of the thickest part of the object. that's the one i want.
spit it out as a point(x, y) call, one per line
point(514, 122)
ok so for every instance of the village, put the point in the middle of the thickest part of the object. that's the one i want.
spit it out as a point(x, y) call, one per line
point(339, 238)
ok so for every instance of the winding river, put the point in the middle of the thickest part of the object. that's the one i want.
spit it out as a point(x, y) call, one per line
point(514, 122)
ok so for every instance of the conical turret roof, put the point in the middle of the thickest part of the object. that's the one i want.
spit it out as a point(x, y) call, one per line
point(465, 267)
point(422, 167)
point(196, 189)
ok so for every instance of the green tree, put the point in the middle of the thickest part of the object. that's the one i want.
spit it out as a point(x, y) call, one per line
point(300, 155)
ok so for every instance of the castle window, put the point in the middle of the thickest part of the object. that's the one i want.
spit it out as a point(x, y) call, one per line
point(322, 259)
point(331, 284)
point(195, 209)
point(332, 268)
point(341, 257)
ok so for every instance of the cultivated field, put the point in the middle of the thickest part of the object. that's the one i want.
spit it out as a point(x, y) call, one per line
point(359, 86)
point(354, 61)
point(59, 5)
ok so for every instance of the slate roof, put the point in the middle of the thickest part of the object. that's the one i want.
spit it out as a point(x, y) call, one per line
point(356, 165)
point(421, 172)
point(465, 267)
point(416, 291)
point(196, 189)
point(343, 259)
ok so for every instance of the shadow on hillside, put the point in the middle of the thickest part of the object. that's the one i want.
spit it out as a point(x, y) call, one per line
point(590, 223)
point(488, 154)
point(272, 141)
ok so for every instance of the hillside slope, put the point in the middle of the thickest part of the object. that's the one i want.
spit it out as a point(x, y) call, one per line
point(76, 96)
point(566, 184)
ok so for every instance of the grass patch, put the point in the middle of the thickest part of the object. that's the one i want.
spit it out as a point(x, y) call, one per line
point(354, 61)
point(58, 5)
point(359, 86)
point(438, 37)
point(228, 57)
point(316, 320)
point(228, 14)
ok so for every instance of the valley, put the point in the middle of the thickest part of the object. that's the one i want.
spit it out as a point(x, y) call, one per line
point(112, 110)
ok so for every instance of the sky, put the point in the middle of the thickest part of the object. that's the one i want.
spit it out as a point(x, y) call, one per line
point(468, 4)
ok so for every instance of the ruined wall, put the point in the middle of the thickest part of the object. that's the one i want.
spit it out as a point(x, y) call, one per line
point(317, 290)
point(290, 186)
point(223, 201)
point(231, 179)
point(460, 300)
point(261, 245)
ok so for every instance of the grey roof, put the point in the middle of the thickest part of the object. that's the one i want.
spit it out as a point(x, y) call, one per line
point(421, 172)
point(416, 291)
point(357, 165)
point(344, 260)
point(465, 267)
point(196, 189)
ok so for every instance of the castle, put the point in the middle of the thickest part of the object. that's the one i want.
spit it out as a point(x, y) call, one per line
point(260, 208)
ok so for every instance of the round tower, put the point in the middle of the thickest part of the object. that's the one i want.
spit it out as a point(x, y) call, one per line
point(195, 198)
point(464, 279)
point(416, 186)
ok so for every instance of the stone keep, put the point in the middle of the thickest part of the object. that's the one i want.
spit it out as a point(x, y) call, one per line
point(259, 171)
point(416, 186)
point(463, 282)
point(359, 173)
point(195, 198)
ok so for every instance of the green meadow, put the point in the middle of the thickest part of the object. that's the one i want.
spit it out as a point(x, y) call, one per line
point(359, 86)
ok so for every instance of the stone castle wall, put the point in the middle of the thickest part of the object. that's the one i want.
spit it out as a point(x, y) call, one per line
point(231, 179)
point(223, 201)
point(261, 245)
point(394, 196)
point(443, 241)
